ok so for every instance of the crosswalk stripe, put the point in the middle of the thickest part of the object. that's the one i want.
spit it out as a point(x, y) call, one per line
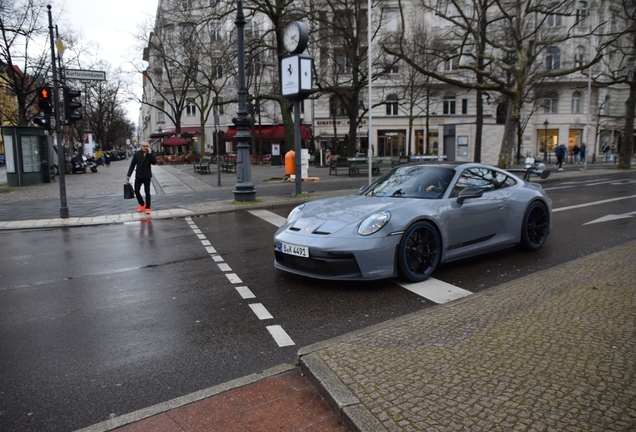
point(268, 216)
point(435, 290)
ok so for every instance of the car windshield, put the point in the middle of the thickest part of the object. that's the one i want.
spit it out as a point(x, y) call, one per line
point(413, 181)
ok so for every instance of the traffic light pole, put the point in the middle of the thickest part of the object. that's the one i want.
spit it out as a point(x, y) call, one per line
point(61, 159)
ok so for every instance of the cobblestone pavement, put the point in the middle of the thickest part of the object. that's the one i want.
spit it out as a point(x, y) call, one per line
point(554, 351)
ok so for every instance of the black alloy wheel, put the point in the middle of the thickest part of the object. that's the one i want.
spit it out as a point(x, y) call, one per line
point(420, 251)
point(534, 230)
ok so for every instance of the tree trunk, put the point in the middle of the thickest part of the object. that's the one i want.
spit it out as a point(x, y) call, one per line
point(510, 134)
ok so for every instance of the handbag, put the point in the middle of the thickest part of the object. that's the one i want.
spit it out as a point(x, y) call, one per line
point(129, 192)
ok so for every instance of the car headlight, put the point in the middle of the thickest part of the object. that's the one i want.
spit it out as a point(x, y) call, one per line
point(374, 223)
point(295, 213)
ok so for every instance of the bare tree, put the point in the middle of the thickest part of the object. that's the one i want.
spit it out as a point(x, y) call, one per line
point(341, 40)
point(616, 70)
point(512, 39)
point(23, 33)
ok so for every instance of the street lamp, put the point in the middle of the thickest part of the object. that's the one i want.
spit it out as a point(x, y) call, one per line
point(244, 190)
point(546, 123)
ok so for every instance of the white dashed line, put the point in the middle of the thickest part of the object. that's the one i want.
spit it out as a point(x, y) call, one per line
point(224, 267)
point(435, 290)
point(260, 311)
point(280, 336)
point(245, 292)
point(232, 277)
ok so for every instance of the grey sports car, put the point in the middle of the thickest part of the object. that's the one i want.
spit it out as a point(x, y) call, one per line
point(410, 220)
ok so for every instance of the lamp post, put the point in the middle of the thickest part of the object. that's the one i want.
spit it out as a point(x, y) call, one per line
point(546, 123)
point(244, 190)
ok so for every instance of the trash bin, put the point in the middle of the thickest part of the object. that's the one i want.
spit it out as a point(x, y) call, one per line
point(290, 162)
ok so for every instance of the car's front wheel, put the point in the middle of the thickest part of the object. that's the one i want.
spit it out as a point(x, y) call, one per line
point(534, 230)
point(420, 251)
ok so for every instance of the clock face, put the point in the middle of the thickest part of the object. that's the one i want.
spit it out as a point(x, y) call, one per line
point(295, 37)
point(291, 37)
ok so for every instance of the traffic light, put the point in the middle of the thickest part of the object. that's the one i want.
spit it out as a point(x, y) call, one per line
point(43, 121)
point(45, 100)
point(71, 106)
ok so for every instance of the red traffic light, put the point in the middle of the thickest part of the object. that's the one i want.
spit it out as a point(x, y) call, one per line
point(44, 93)
point(45, 99)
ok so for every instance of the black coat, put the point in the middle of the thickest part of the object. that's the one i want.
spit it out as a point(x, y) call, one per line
point(143, 164)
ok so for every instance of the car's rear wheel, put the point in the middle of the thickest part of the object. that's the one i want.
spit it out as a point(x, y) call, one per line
point(534, 230)
point(420, 251)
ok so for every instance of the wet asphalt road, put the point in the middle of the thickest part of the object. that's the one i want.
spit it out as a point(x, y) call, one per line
point(106, 320)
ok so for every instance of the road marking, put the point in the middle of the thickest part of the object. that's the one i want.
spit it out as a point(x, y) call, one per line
point(197, 231)
point(612, 217)
point(201, 236)
point(206, 243)
point(210, 249)
point(592, 203)
point(435, 290)
point(217, 258)
point(245, 292)
point(260, 311)
point(280, 336)
point(224, 267)
point(268, 216)
point(233, 278)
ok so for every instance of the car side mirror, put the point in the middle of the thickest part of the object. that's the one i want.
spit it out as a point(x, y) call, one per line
point(469, 192)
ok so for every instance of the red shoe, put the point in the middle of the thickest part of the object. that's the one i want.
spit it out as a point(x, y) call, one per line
point(141, 208)
point(147, 211)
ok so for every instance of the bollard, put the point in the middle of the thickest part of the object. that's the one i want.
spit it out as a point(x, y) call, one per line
point(290, 162)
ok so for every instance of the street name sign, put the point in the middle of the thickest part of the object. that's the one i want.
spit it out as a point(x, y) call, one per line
point(86, 75)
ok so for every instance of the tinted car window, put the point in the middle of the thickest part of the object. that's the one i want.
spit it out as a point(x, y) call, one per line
point(413, 181)
point(483, 178)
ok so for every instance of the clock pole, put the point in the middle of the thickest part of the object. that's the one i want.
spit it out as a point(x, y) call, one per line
point(244, 190)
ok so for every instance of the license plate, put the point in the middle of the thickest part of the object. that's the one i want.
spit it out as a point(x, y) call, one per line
point(292, 249)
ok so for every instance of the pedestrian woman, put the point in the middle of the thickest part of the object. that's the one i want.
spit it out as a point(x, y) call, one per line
point(575, 152)
point(583, 148)
point(142, 160)
point(560, 153)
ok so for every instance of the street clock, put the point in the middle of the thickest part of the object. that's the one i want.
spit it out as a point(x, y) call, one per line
point(295, 37)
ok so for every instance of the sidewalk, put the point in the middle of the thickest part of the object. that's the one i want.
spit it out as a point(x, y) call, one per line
point(553, 351)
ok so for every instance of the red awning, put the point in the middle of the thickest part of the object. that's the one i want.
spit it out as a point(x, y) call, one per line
point(174, 141)
point(269, 132)
point(169, 131)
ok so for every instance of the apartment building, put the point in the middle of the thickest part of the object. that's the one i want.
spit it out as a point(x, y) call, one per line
point(191, 57)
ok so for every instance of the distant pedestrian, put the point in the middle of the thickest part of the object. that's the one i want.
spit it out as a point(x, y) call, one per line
point(583, 150)
point(143, 161)
point(575, 152)
point(606, 149)
point(560, 153)
point(107, 159)
point(104, 158)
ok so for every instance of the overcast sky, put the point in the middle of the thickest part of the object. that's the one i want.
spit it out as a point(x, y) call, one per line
point(112, 24)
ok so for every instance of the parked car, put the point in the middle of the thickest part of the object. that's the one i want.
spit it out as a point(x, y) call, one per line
point(2, 160)
point(411, 220)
